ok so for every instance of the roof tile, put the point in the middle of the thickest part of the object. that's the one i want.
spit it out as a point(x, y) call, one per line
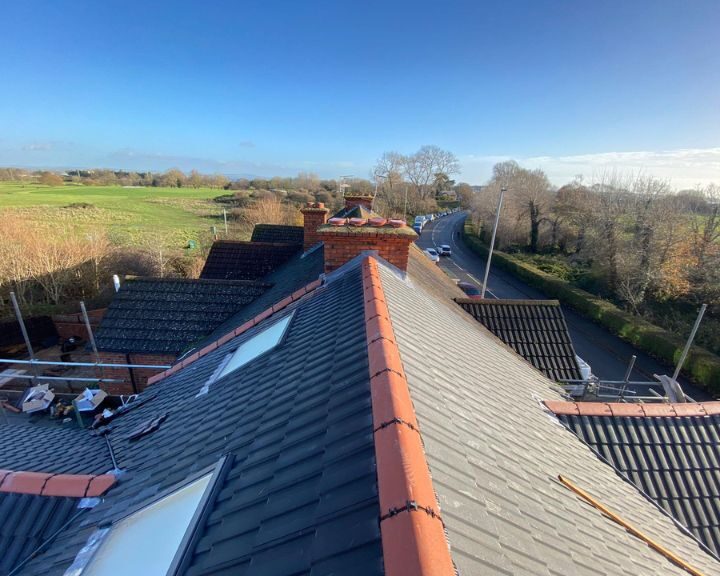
point(71, 485)
point(25, 482)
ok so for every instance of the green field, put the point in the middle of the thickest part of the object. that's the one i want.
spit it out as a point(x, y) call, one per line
point(129, 216)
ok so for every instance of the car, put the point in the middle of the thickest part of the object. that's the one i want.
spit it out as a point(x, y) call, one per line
point(444, 250)
point(432, 254)
point(470, 290)
point(418, 228)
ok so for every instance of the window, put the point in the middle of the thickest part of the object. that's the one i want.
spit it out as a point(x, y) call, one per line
point(147, 541)
point(257, 345)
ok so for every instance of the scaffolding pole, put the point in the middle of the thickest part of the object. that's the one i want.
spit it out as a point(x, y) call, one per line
point(492, 244)
point(18, 315)
point(82, 364)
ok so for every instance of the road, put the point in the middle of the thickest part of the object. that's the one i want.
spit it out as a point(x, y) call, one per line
point(607, 354)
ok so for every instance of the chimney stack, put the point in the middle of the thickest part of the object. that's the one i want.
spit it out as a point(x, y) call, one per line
point(314, 216)
point(346, 238)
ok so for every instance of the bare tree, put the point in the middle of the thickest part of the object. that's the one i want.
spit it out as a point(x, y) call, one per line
point(420, 168)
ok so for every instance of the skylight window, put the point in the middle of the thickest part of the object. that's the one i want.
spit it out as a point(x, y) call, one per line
point(256, 346)
point(147, 541)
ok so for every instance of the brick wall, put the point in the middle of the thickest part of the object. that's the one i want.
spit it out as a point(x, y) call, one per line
point(140, 375)
point(341, 248)
point(69, 325)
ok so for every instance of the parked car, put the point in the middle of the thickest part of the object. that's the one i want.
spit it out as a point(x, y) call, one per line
point(444, 250)
point(432, 254)
point(470, 290)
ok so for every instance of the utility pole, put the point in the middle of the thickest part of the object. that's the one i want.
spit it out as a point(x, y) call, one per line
point(492, 243)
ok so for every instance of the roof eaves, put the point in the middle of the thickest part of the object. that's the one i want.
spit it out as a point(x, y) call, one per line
point(284, 303)
point(413, 534)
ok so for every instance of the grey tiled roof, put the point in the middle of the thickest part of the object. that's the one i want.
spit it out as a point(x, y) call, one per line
point(674, 460)
point(157, 315)
point(495, 453)
point(234, 260)
point(301, 495)
point(278, 233)
point(26, 521)
point(535, 329)
point(61, 449)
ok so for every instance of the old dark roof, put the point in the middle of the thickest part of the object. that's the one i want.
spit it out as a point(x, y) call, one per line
point(277, 233)
point(357, 211)
point(167, 315)
point(235, 260)
point(28, 520)
point(675, 460)
point(299, 271)
point(535, 329)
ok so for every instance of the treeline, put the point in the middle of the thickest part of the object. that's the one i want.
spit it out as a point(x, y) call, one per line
point(634, 240)
point(414, 183)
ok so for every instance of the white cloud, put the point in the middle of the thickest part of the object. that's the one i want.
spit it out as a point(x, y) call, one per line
point(684, 168)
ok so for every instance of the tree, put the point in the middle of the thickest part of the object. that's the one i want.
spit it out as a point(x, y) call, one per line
point(420, 168)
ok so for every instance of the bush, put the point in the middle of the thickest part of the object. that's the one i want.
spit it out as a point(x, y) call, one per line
point(701, 366)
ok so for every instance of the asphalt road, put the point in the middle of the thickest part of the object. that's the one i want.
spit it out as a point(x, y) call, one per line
point(607, 354)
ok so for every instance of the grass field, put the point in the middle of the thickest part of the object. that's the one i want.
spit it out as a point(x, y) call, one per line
point(129, 216)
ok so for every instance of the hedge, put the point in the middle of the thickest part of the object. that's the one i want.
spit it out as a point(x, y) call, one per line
point(702, 366)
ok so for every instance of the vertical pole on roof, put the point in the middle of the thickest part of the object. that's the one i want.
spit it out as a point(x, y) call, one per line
point(91, 337)
point(225, 219)
point(214, 231)
point(628, 372)
point(405, 209)
point(492, 243)
point(685, 351)
point(18, 315)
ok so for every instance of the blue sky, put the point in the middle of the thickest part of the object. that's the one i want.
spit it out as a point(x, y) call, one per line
point(273, 87)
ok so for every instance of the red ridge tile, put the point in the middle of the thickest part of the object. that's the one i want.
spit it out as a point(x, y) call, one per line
point(391, 399)
point(413, 540)
point(626, 409)
point(593, 409)
point(689, 409)
point(72, 485)
point(659, 409)
point(711, 408)
point(99, 485)
point(562, 408)
point(415, 544)
point(24, 482)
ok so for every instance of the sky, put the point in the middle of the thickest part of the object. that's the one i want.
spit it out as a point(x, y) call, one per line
point(271, 87)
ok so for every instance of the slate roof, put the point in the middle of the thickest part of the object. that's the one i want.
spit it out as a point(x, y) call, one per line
point(235, 260)
point(156, 315)
point(674, 460)
point(277, 233)
point(535, 329)
point(302, 494)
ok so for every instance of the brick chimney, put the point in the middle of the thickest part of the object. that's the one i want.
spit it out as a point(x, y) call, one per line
point(344, 239)
point(314, 216)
